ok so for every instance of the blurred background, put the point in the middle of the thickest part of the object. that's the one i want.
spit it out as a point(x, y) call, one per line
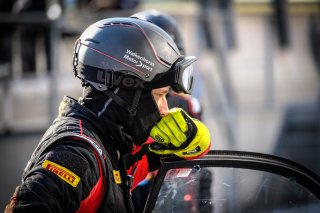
point(257, 76)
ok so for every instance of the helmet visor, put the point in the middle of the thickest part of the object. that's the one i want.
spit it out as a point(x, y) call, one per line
point(187, 78)
point(184, 75)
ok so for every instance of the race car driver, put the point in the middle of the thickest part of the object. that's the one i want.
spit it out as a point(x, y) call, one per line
point(94, 153)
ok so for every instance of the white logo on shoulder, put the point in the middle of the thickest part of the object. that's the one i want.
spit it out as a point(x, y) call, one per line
point(93, 144)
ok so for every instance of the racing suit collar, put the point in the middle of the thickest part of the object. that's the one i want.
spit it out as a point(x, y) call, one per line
point(112, 133)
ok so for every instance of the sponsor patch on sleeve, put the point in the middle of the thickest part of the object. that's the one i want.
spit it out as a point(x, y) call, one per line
point(62, 172)
point(117, 177)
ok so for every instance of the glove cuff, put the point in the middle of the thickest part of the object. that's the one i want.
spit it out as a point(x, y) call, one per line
point(199, 154)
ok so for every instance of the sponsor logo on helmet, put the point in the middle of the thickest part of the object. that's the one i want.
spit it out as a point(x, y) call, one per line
point(120, 80)
point(139, 61)
point(62, 172)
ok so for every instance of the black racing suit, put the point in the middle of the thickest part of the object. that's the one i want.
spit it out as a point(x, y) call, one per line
point(70, 151)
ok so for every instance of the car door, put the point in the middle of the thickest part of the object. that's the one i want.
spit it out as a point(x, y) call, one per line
point(234, 181)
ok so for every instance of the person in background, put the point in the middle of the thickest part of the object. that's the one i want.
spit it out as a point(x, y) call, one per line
point(95, 153)
point(39, 26)
point(188, 103)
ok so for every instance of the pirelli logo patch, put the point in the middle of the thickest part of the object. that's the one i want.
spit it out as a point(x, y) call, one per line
point(62, 172)
point(117, 177)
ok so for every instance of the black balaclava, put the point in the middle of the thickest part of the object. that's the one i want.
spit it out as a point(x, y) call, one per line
point(116, 117)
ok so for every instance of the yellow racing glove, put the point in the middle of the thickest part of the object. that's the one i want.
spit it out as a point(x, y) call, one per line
point(179, 134)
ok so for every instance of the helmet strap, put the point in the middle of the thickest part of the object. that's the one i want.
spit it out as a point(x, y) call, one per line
point(131, 109)
point(134, 106)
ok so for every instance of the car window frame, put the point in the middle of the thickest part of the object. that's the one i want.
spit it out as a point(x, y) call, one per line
point(237, 159)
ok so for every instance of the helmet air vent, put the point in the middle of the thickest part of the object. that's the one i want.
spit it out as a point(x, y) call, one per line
point(164, 61)
point(92, 40)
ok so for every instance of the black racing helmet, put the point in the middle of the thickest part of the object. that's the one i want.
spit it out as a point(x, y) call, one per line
point(131, 53)
point(166, 22)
